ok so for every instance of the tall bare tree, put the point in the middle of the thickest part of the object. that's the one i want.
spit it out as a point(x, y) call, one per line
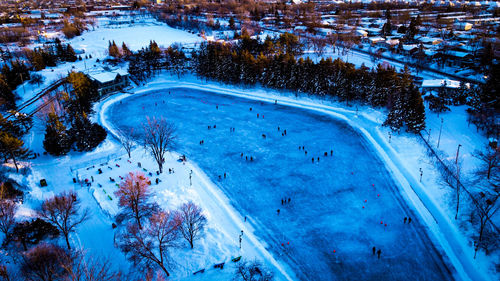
point(483, 212)
point(133, 194)
point(193, 222)
point(7, 211)
point(64, 212)
point(127, 141)
point(490, 161)
point(150, 246)
point(158, 138)
point(89, 268)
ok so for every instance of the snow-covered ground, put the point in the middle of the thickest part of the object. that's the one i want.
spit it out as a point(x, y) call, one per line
point(395, 170)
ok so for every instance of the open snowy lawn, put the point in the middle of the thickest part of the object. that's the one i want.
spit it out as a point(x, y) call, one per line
point(95, 42)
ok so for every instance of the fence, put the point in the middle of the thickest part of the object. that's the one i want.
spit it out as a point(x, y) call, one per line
point(447, 170)
point(97, 161)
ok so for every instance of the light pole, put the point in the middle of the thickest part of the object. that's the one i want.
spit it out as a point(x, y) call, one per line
point(440, 129)
point(458, 181)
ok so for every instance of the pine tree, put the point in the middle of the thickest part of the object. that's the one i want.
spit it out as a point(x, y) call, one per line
point(126, 51)
point(415, 112)
point(86, 135)
point(57, 141)
point(70, 54)
point(113, 50)
point(7, 97)
point(12, 148)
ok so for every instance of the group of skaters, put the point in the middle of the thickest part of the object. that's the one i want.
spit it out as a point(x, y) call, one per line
point(407, 219)
point(246, 157)
point(283, 133)
point(284, 201)
point(375, 251)
point(317, 159)
point(220, 176)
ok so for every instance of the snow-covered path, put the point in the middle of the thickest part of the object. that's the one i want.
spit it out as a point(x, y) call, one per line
point(373, 135)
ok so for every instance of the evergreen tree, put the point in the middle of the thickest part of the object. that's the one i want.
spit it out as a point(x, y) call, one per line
point(113, 50)
point(85, 134)
point(85, 93)
point(125, 50)
point(415, 112)
point(57, 141)
point(7, 97)
point(12, 148)
point(70, 54)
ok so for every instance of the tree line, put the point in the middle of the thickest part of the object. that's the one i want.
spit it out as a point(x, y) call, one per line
point(273, 63)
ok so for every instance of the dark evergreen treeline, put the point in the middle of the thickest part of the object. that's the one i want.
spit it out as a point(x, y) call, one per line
point(272, 63)
point(13, 74)
point(149, 60)
point(71, 127)
point(50, 54)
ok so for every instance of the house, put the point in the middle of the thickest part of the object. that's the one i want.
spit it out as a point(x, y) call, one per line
point(430, 85)
point(110, 81)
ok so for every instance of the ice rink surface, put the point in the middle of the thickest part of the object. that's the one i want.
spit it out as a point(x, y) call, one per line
point(340, 206)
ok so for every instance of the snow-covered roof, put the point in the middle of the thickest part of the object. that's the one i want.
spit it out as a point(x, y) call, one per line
point(107, 76)
point(409, 47)
point(434, 83)
point(103, 77)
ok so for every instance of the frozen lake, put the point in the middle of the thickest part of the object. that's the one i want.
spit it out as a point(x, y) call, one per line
point(341, 206)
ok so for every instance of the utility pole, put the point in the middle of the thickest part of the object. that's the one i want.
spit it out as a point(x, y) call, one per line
point(458, 180)
point(440, 129)
point(22, 82)
point(190, 176)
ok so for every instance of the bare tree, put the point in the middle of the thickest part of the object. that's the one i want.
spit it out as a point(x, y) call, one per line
point(63, 211)
point(483, 212)
point(158, 138)
point(490, 161)
point(4, 273)
point(7, 211)
point(127, 141)
point(45, 262)
point(193, 222)
point(84, 268)
point(252, 271)
point(133, 194)
point(150, 246)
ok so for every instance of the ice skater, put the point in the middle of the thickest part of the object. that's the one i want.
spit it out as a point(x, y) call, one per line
point(409, 220)
point(278, 211)
point(378, 253)
point(331, 152)
point(405, 219)
point(281, 201)
point(374, 250)
point(289, 200)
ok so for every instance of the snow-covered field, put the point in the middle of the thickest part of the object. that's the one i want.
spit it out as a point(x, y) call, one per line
point(325, 223)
